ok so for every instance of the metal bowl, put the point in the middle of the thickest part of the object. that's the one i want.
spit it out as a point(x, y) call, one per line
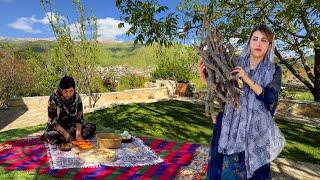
point(108, 140)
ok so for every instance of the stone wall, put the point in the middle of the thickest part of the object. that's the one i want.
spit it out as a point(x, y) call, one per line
point(291, 110)
point(295, 86)
point(170, 85)
point(303, 111)
point(40, 103)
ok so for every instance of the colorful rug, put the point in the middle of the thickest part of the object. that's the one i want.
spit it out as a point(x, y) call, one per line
point(128, 155)
point(180, 160)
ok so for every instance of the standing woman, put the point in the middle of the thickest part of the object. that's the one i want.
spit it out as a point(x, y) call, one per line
point(65, 113)
point(246, 140)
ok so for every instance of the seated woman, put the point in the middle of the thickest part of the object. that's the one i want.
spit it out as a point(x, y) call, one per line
point(65, 113)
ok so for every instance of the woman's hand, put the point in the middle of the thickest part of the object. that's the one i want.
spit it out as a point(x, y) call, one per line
point(78, 132)
point(202, 71)
point(79, 137)
point(67, 136)
point(241, 74)
point(63, 132)
point(257, 89)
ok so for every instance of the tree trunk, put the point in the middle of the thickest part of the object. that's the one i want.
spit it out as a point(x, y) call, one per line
point(316, 94)
point(89, 92)
point(315, 88)
point(90, 98)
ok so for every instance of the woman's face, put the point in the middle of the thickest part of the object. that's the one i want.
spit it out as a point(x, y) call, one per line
point(259, 45)
point(67, 93)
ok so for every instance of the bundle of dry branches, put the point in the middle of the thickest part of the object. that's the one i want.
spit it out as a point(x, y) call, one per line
point(220, 60)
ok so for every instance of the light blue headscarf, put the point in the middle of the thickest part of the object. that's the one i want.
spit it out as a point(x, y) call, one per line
point(251, 127)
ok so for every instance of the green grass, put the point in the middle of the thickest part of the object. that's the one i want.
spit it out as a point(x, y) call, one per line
point(174, 120)
point(297, 95)
point(19, 133)
point(307, 96)
point(177, 121)
point(302, 142)
point(19, 175)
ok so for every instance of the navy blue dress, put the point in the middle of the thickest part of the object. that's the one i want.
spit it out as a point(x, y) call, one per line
point(233, 166)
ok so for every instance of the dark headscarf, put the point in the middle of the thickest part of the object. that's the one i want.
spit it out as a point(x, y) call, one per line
point(65, 83)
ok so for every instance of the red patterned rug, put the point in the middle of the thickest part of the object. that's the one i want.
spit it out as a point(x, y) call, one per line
point(181, 161)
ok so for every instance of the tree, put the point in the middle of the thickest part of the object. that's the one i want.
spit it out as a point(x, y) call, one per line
point(78, 53)
point(176, 62)
point(296, 25)
point(46, 71)
point(15, 75)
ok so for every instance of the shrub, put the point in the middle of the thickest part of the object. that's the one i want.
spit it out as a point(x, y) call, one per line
point(175, 63)
point(131, 81)
point(97, 85)
point(15, 77)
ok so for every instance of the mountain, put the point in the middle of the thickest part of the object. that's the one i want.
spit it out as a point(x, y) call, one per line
point(111, 52)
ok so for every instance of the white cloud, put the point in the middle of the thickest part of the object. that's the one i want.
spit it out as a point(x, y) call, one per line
point(108, 28)
point(53, 16)
point(26, 23)
point(74, 30)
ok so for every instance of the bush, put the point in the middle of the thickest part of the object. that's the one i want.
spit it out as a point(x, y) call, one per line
point(97, 85)
point(15, 77)
point(175, 63)
point(131, 81)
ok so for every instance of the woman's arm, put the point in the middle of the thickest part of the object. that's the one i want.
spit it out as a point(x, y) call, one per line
point(270, 93)
point(256, 88)
point(263, 93)
point(202, 71)
point(62, 131)
point(53, 115)
point(78, 132)
point(79, 120)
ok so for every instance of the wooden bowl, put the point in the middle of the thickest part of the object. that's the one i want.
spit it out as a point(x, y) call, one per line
point(108, 140)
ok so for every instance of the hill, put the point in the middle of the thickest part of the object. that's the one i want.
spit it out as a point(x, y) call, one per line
point(111, 52)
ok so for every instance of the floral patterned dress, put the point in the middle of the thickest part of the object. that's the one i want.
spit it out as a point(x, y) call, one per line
point(66, 113)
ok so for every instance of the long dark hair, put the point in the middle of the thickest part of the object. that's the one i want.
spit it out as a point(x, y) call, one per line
point(67, 82)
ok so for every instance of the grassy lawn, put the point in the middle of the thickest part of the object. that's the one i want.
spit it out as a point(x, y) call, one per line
point(297, 95)
point(178, 121)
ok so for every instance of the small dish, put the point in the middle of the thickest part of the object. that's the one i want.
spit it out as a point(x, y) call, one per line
point(127, 140)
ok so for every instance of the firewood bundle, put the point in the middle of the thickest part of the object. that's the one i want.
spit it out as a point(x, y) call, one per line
point(220, 60)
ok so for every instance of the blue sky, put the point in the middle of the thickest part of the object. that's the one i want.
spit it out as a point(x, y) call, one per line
point(25, 19)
